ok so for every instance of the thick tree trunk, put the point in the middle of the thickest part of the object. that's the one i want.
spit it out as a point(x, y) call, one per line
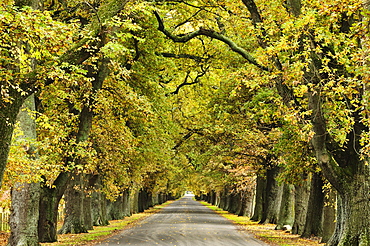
point(223, 195)
point(243, 205)
point(227, 201)
point(74, 197)
point(353, 223)
point(141, 201)
point(272, 201)
point(218, 199)
point(286, 214)
point(249, 203)
point(134, 201)
point(126, 203)
point(49, 202)
point(115, 209)
point(313, 225)
point(213, 197)
point(260, 198)
point(335, 238)
point(302, 194)
point(99, 209)
point(234, 203)
point(25, 213)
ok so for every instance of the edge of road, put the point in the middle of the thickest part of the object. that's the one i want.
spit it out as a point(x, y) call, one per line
point(265, 233)
point(103, 232)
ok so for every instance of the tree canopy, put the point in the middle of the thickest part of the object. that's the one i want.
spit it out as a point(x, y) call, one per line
point(200, 95)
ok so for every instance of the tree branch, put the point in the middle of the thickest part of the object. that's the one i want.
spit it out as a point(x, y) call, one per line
point(195, 81)
point(186, 56)
point(212, 34)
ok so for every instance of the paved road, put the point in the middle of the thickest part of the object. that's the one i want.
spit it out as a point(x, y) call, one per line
point(184, 223)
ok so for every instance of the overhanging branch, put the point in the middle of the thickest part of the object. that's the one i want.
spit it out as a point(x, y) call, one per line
point(208, 33)
point(185, 56)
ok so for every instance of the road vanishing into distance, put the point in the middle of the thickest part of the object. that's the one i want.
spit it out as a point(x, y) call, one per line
point(185, 222)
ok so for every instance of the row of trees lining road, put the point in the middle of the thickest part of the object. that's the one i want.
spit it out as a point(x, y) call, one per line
point(260, 107)
point(98, 130)
point(315, 55)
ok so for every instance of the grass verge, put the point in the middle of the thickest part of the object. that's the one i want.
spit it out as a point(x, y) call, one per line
point(102, 232)
point(266, 232)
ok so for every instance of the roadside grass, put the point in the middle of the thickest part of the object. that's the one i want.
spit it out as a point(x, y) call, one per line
point(266, 232)
point(102, 232)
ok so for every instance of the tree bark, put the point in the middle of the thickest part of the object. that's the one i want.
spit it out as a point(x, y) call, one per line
point(354, 208)
point(313, 225)
point(49, 203)
point(273, 197)
point(335, 238)
point(24, 216)
point(260, 198)
point(302, 194)
point(134, 201)
point(329, 215)
point(286, 213)
point(234, 202)
point(126, 203)
point(115, 209)
point(249, 203)
point(87, 212)
point(74, 196)
point(99, 209)
point(223, 195)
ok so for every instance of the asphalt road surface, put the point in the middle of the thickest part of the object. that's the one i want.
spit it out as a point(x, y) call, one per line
point(184, 223)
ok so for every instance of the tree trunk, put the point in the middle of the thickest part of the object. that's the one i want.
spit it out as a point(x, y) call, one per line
point(141, 201)
point(249, 202)
point(234, 203)
point(286, 214)
point(302, 194)
point(99, 209)
point(218, 199)
point(25, 213)
point(335, 238)
point(49, 202)
point(353, 223)
point(134, 201)
point(115, 209)
point(223, 195)
point(74, 197)
point(245, 203)
point(273, 197)
point(213, 197)
point(87, 212)
point(126, 203)
point(329, 215)
point(260, 198)
point(313, 225)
